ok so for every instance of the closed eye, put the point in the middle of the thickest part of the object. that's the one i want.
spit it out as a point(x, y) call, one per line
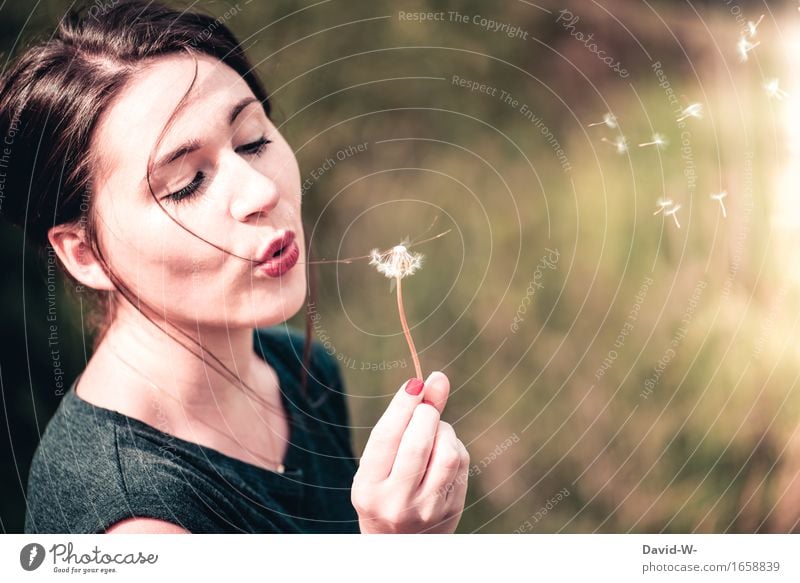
point(194, 187)
point(190, 190)
point(256, 147)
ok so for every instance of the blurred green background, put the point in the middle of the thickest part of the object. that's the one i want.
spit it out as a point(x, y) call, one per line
point(612, 369)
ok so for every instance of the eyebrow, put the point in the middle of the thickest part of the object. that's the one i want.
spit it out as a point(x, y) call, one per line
point(192, 145)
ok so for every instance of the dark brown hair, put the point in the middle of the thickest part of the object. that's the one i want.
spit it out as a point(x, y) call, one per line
point(51, 98)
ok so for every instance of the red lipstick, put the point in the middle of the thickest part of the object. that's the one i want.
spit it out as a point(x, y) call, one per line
point(279, 256)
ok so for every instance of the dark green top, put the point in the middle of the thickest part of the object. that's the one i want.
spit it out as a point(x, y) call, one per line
point(94, 466)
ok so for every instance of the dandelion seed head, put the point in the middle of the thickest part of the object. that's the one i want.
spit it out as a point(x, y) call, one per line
point(398, 262)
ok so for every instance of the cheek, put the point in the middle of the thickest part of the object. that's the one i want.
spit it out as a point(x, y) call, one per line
point(155, 257)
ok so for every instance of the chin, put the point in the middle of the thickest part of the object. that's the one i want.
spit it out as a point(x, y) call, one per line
point(274, 310)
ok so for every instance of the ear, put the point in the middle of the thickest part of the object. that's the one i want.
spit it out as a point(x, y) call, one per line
point(70, 244)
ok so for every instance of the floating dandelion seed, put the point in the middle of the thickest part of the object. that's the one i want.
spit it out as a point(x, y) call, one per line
point(673, 212)
point(773, 87)
point(609, 120)
point(620, 143)
point(744, 47)
point(663, 204)
point(396, 264)
point(659, 141)
point(718, 197)
point(753, 26)
point(693, 110)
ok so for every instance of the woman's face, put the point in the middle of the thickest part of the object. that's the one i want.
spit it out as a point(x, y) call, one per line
point(230, 189)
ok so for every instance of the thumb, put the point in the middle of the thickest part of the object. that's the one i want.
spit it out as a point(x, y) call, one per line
point(436, 390)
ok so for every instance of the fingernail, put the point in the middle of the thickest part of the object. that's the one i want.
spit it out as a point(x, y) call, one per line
point(414, 386)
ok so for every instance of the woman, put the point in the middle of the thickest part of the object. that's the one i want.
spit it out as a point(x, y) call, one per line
point(142, 153)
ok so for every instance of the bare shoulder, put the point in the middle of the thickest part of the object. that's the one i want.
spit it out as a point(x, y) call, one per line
point(145, 525)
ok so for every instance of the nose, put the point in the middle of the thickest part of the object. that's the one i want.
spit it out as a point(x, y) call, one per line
point(254, 194)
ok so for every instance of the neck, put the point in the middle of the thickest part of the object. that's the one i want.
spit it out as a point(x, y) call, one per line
point(193, 379)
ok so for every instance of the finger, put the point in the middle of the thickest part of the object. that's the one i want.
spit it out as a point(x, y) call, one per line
point(415, 447)
point(437, 389)
point(446, 501)
point(444, 463)
point(458, 494)
point(381, 447)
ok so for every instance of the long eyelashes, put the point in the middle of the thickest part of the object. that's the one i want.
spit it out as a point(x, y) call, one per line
point(189, 191)
point(256, 148)
point(195, 187)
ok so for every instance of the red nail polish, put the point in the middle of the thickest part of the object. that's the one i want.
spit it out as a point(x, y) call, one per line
point(414, 386)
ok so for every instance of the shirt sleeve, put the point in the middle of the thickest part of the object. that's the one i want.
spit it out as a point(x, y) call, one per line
point(86, 493)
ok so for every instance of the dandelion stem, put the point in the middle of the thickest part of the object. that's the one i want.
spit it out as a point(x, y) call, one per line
point(410, 341)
